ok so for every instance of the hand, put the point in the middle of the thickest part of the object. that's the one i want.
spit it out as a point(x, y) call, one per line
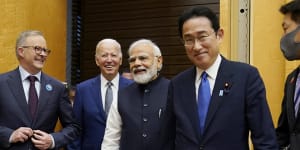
point(41, 140)
point(22, 134)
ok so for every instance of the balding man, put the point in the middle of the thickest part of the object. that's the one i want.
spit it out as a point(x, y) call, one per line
point(94, 96)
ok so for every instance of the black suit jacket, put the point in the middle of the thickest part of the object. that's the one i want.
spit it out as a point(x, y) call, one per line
point(288, 125)
point(234, 110)
point(53, 104)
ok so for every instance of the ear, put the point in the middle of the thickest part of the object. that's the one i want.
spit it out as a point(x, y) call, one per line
point(297, 37)
point(96, 60)
point(121, 61)
point(20, 51)
point(160, 62)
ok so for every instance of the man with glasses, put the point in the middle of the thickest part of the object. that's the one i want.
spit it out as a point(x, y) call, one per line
point(217, 103)
point(31, 102)
point(134, 120)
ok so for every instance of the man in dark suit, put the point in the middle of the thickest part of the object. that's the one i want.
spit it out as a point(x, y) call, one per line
point(134, 121)
point(27, 121)
point(288, 123)
point(216, 103)
point(90, 103)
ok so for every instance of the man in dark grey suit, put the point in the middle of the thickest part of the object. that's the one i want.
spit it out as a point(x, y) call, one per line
point(216, 103)
point(30, 108)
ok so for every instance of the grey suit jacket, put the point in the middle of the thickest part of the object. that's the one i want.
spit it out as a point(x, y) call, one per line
point(53, 104)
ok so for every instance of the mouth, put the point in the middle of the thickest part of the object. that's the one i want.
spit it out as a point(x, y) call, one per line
point(201, 53)
point(139, 71)
point(109, 67)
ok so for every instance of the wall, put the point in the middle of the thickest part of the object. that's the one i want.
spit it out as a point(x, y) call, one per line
point(46, 16)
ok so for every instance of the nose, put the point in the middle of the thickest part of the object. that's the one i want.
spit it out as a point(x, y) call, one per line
point(43, 53)
point(197, 45)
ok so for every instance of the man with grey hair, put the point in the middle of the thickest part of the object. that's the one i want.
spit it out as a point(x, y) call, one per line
point(134, 120)
point(94, 96)
point(32, 102)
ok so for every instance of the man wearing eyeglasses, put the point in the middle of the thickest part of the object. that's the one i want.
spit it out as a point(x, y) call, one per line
point(31, 101)
point(217, 103)
point(135, 119)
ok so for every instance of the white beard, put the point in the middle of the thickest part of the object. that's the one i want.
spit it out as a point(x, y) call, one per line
point(146, 77)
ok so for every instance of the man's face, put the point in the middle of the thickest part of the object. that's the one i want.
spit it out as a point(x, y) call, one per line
point(108, 59)
point(288, 24)
point(201, 42)
point(144, 65)
point(29, 59)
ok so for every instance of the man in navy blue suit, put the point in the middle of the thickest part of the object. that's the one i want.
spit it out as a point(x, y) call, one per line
point(28, 117)
point(89, 104)
point(235, 104)
point(288, 123)
point(134, 121)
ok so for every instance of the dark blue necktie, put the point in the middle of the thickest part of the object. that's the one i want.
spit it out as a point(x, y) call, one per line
point(32, 96)
point(203, 100)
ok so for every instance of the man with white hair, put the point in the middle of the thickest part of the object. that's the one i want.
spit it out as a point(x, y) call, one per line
point(92, 103)
point(134, 120)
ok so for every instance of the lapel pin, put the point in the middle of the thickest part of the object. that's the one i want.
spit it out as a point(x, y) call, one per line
point(226, 88)
point(292, 80)
point(49, 87)
point(221, 93)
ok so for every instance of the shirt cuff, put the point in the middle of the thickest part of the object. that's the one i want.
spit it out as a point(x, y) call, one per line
point(53, 143)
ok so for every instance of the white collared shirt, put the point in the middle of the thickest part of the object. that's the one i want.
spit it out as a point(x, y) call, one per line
point(26, 83)
point(212, 72)
point(114, 86)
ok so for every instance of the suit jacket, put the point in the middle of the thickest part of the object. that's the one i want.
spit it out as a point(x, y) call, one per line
point(234, 110)
point(53, 103)
point(141, 107)
point(88, 109)
point(288, 125)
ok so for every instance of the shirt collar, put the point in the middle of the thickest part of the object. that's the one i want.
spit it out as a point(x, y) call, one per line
point(114, 81)
point(25, 74)
point(212, 71)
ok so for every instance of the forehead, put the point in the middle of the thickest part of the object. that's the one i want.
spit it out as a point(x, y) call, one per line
point(35, 39)
point(196, 24)
point(108, 47)
point(142, 49)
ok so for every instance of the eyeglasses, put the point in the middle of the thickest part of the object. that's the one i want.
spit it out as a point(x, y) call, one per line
point(38, 50)
point(140, 58)
point(202, 38)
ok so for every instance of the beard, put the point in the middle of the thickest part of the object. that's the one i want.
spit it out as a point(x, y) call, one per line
point(147, 76)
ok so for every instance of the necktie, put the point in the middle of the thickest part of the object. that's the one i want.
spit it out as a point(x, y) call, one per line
point(32, 97)
point(108, 97)
point(203, 100)
point(297, 95)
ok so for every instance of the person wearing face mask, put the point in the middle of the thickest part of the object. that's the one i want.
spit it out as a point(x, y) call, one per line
point(288, 135)
point(134, 120)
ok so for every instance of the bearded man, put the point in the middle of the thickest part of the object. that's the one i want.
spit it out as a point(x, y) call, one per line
point(134, 121)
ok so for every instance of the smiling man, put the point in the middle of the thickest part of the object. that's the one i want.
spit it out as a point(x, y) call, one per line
point(31, 101)
point(216, 103)
point(94, 96)
point(134, 120)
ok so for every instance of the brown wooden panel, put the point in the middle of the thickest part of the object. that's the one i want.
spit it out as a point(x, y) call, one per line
point(128, 21)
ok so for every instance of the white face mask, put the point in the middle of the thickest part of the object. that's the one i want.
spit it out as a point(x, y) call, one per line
point(289, 47)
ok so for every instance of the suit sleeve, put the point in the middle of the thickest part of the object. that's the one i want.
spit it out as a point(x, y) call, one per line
point(282, 129)
point(71, 128)
point(258, 114)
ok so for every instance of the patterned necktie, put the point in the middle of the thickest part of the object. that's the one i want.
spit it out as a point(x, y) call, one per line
point(108, 97)
point(203, 100)
point(32, 97)
point(297, 96)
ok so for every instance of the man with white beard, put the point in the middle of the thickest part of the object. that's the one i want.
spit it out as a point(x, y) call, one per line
point(134, 120)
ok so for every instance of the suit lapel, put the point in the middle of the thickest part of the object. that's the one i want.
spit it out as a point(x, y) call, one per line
point(96, 91)
point(290, 89)
point(224, 76)
point(16, 87)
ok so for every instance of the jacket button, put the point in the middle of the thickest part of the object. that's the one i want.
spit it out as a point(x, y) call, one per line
point(145, 119)
point(201, 147)
point(144, 135)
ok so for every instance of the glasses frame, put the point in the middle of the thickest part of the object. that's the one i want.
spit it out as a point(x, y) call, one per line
point(201, 39)
point(38, 49)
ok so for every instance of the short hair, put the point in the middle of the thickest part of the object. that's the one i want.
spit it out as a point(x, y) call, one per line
point(156, 50)
point(24, 35)
point(292, 7)
point(199, 11)
point(115, 42)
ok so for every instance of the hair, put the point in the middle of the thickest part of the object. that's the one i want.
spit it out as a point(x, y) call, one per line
point(24, 35)
point(199, 11)
point(156, 49)
point(112, 41)
point(292, 7)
